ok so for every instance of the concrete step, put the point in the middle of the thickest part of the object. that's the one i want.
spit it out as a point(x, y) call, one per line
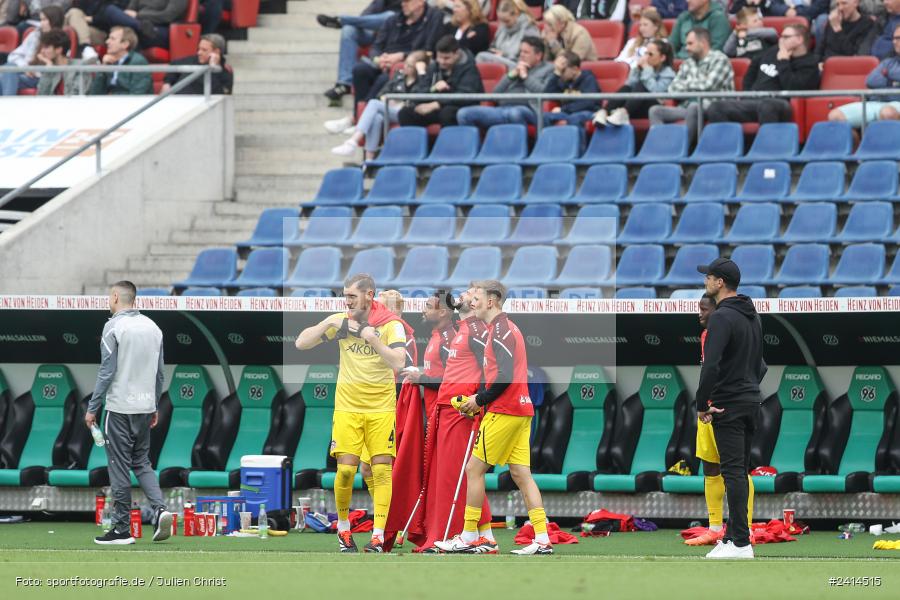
point(169, 249)
point(288, 130)
point(289, 27)
point(314, 77)
point(260, 166)
point(275, 44)
point(296, 154)
point(301, 90)
point(251, 100)
point(253, 209)
point(211, 237)
point(147, 278)
point(274, 61)
point(218, 222)
point(311, 119)
point(347, 7)
point(269, 139)
point(172, 263)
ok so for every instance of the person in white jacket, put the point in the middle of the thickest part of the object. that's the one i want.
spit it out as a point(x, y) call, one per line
point(26, 53)
point(650, 27)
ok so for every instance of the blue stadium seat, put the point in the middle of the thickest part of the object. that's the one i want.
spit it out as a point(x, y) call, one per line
point(341, 187)
point(894, 291)
point(498, 184)
point(804, 264)
point(393, 185)
point(318, 267)
point(827, 140)
point(755, 223)
point(664, 143)
point(556, 144)
point(801, 291)
point(687, 294)
point(594, 224)
point(874, 180)
point(377, 262)
point(154, 291)
point(485, 224)
point(432, 224)
point(752, 291)
point(479, 262)
point(656, 183)
point(551, 183)
point(526, 293)
point(447, 185)
point(881, 141)
point(532, 266)
point(276, 227)
point(609, 145)
point(580, 293)
point(423, 266)
point(312, 293)
point(641, 265)
point(856, 291)
point(893, 274)
point(713, 182)
point(766, 182)
point(537, 224)
point(636, 293)
point(202, 291)
point(700, 222)
point(378, 225)
point(812, 222)
point(718, 142)
point(859, 264)
point(503, 144)
point(417, 292)
point(586, 266)
point(773, 141)
point(602, 184)
point(258, 292)
point(456, 145)
point(868, 222)
point(820, 181)
point(326, 225)
point(684, 268)
point(403, 146)
point(647, 223)
point(756, 261)
point(265, 267)
point(214, 267)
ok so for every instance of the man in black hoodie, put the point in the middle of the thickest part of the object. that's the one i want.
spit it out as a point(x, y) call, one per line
point(728, 394)
point(788, 66)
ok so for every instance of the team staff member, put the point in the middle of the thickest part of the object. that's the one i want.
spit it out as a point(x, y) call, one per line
point(436, 352)
point(728, 394)
point(372, 346)
point(503, 437)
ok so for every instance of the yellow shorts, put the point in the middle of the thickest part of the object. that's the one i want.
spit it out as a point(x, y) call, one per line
point(360, 433)
point(706, 443)
point(504, 439)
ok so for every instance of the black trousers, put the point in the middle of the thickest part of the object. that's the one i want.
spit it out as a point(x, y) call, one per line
point(637, 109)
point(767, 110)
point(444, 116)
point(734, 430)
point(367, 81)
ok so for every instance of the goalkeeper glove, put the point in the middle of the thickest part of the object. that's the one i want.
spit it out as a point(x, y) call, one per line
point(457, 402)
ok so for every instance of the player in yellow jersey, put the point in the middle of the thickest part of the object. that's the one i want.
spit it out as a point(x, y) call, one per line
point(372, 344)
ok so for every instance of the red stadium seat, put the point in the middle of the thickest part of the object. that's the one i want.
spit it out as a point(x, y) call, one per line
point(740, 66)
point(491, 74)
point(779, 23)
point(839, 73)
point(492, 11)
point(243, 14)
point(537, 12)
point(633, 30)
point(9, 39)
point(493, 26)
point(611, 75)
point(607, 36)
point(158, 81)
point(184, 37)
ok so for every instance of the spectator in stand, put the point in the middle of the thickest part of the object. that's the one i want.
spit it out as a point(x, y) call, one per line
point(883, 45)
point(650, 27)
point(370, 125)
point(569, 78)
point(670, 9)
point(515, 23)
point(418, 27)
point(704, 70)
point(210, 51)
point(612, 10)
point(765, 8)
point(885, 75)
point(469, 26)
point(84, 17)
point(529, 76)
point(653, 73)
point(562, 33)
point(700, 13)
point(845, 32)
point(356, 32)
point(53, 52)
point(120, 50)
point(26, 53)
point(150, 19)
point(453, 71)
point(749, 37)
point(27, 13)
point(446, 6)
point(790, 66)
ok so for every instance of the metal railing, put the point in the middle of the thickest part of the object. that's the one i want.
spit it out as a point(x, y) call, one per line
point(193, 72)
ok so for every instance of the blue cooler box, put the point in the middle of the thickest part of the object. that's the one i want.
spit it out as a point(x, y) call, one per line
point(266, 480)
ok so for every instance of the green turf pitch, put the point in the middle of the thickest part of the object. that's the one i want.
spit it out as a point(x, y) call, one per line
point(627, 565)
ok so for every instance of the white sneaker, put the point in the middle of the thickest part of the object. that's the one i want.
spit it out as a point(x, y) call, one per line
point(618, 117)
point(350, 130)
point(455, 545)
point(894, 528)
point(348, 148)
point(533, 548)
point(338, 125)
point(601, 117)
point(727, 550)
point(163, 526)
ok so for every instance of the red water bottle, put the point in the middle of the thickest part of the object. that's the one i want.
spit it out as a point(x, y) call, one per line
point(99, 503)
point(136, 522)
point(188, 520)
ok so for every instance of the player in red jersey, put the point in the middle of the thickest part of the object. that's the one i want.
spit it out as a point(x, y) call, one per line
point(503, 437)
point(436, 353)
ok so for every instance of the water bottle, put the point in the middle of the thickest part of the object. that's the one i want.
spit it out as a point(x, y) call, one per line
point(510, 511)
point(106, 518)
point(263, 522)
point(179, 502)
point(217, 511)
point(97, 435)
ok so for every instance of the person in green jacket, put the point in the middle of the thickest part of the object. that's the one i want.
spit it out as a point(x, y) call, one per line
point(120, 51)
point(700, 13)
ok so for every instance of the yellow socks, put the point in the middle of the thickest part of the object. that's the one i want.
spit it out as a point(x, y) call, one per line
point(381, 474)
point(538, 519)
point(470, 527)
point(343, 491)
point(750, 502)
point(370, 485)
point(714, 490)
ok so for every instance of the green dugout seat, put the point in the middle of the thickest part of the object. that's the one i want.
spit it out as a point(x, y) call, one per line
point(311, 459)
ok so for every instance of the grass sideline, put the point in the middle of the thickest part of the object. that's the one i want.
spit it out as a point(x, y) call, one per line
point(630, 565)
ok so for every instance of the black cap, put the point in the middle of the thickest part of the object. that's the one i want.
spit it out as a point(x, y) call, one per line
point(724, 268)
